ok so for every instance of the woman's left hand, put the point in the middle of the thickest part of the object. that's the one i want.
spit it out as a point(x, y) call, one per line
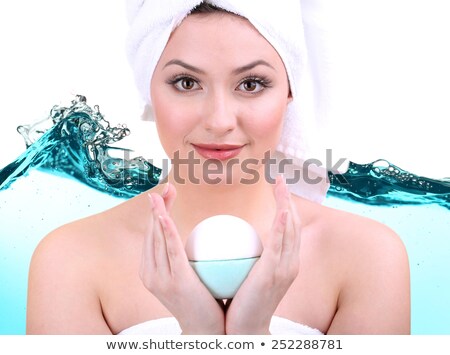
point(253, 306)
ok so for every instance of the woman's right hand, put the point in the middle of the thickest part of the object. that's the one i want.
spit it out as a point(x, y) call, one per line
point(166, 273)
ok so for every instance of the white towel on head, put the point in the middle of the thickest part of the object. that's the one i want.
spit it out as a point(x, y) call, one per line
point(281, 23)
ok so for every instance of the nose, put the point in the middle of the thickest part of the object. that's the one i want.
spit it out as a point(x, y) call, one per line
point(219, 114)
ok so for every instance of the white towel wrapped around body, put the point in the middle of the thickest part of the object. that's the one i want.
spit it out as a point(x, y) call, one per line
point(170, 326)
point(281, 23)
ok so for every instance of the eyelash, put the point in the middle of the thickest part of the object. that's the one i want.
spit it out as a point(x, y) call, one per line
point(178, 77)
point(259, 79)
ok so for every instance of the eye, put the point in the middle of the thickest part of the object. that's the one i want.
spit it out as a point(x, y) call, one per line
point(184, 83)
point(250, 85)
point(253, 85)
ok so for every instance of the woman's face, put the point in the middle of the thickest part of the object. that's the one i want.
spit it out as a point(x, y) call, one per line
point(219, 92)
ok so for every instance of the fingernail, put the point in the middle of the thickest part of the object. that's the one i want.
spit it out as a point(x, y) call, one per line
point(165, 190)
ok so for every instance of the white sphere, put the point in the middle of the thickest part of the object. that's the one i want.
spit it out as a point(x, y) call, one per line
point(223, 237)
point(222, 250)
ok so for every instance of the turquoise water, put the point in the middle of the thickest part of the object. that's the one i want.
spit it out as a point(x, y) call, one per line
point(71, 172)
point(75, 141)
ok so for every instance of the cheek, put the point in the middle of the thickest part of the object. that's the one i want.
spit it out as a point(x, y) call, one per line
point(267, 121)
point(171, 123)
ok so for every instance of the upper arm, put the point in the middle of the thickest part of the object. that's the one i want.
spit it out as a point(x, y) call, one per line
point(61, 293)
point(375, 295)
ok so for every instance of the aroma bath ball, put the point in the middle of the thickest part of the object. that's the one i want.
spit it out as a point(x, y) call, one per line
point(222, 250)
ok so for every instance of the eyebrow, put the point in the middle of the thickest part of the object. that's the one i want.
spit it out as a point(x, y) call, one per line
point(185, 65)
point(236, 71)
point(251, 65)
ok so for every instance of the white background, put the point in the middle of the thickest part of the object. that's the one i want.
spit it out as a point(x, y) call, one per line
point(387, 65)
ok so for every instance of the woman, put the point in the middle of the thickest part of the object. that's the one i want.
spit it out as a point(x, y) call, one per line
point(221, 95)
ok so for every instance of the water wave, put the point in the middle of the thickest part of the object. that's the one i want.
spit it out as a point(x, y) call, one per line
point(77, 144)
point(383, 183)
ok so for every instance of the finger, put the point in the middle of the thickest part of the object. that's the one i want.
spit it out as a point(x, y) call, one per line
point(176, 255)
point(284, 201)
point(169, 194)
point(290, 254)
point(297, 225)
point(275, 244)
point(160, 249)
point(289, 236)
point(281, 195)
point(148, 264)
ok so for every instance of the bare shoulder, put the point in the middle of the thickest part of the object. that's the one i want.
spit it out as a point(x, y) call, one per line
point(370, 269)
point(61, 287)
point(70, 240)
point(356, 231)
point(74, 245)
point(73, 266)
point(349, 234)
point(84, 243)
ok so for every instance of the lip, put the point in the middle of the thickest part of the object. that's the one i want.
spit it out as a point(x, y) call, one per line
point(218, 151)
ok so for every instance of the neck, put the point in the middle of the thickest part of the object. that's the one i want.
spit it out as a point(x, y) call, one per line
point(195, 202)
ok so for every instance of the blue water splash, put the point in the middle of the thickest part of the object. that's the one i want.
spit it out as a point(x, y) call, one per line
point(382, 183)
point(77, 145)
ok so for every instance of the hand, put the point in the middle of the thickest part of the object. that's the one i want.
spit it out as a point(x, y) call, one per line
point(166, 273)
point(253, 306)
